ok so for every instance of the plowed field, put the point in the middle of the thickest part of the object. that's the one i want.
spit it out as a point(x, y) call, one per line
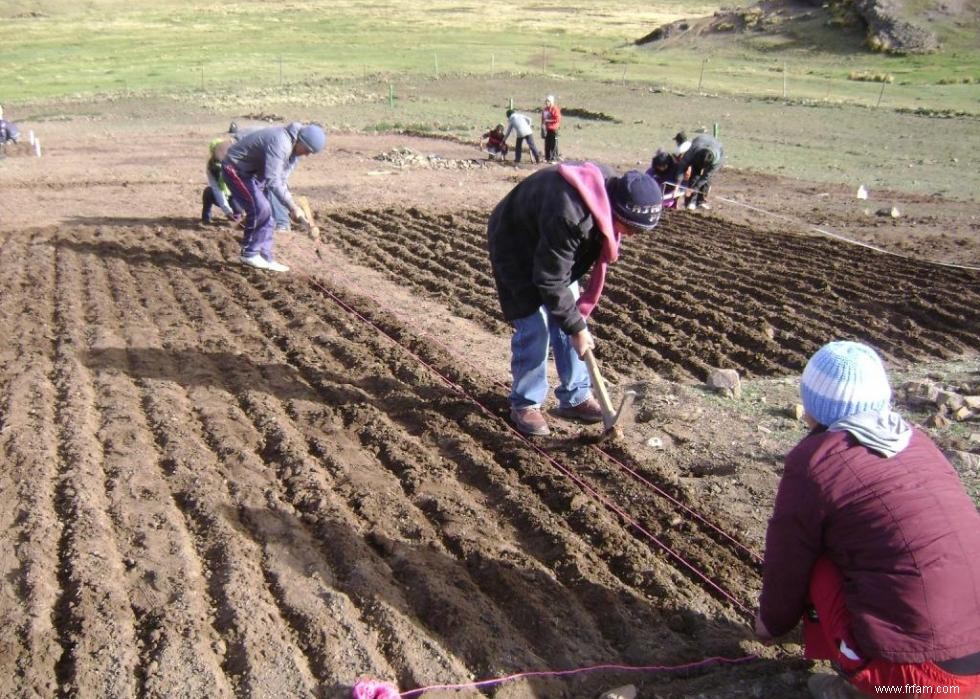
point(700, 292)
point(222, 482)
point(219, 482)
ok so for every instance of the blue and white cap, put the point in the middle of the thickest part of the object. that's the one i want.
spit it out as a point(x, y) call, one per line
point(844, 378)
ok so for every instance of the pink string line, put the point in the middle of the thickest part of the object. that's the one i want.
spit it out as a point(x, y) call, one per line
point(707, 662)
point(652, 486)
point(663, 493)
point(582, 483)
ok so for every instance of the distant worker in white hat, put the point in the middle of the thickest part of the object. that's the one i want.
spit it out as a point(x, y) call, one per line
point(873, 542)
point(550, 123)
point(256, 167)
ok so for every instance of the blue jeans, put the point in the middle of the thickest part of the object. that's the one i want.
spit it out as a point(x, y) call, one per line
point(529, 363)
point(279, 212)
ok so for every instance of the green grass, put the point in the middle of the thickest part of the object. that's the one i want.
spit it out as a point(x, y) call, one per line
point(105, 47)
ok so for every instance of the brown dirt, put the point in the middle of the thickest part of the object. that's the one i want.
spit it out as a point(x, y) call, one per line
point(222, 482)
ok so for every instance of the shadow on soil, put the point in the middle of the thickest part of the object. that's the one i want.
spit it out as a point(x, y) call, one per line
point(141, 256)
point(440, 594)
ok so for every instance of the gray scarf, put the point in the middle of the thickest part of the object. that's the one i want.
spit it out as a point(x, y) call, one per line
point(885, 432)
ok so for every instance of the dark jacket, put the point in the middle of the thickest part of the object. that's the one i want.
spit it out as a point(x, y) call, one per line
point(902, 531)
point(542, 238)
point(705, 155)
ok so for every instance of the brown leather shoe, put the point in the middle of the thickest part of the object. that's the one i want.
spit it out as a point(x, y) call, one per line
point(529, 421)
point(588, 410)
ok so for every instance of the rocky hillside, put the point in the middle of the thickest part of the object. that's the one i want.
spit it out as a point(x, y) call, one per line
point(888, 25)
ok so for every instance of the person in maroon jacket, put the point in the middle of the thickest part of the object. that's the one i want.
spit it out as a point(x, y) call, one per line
point(873, 543)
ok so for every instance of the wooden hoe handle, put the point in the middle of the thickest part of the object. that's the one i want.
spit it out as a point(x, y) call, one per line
point(602, 394)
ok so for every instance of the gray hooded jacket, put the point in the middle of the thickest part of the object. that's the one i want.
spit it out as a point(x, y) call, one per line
point(267, 155)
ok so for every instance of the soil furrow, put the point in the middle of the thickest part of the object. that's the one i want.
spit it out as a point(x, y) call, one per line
point(92, 607)
point(375, 609)
point(168, 592)
point(372, 429)
point(28, 442)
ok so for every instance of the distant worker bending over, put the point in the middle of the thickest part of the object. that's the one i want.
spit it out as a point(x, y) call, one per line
point(704, 158)
point(520, 124)
point(257, 167)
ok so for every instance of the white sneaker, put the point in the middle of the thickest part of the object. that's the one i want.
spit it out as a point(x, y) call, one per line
point(260, 262)
point(706, 206)
point(692, 206)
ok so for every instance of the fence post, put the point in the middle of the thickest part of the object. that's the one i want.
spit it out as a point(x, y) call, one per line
point(280, 70)
point(701, 78)
point(435, 57)
point(880, 94)
point(391, 95)
point(715, 130)
point(492, 64)
point(784, 79)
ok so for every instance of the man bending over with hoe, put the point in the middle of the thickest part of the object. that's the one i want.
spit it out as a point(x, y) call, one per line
point(257, 167)
point(873, 542)
point(548, 232)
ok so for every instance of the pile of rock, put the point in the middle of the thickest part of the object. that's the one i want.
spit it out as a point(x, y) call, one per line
point(407, 159)
point(950, 405)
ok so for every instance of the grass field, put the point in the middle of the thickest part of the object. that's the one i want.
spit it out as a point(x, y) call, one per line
point(786, 102)
point(59, 49)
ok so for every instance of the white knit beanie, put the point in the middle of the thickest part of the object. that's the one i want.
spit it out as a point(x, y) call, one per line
point(842, 379)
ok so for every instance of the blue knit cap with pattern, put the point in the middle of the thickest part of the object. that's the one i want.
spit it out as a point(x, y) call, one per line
point(842, 379)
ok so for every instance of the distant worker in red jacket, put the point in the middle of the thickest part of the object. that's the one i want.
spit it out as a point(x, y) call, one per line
point(494, 142)
point(873, 543)
point(550, 123)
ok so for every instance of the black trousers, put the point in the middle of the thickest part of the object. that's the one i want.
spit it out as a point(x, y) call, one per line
point(551, 146)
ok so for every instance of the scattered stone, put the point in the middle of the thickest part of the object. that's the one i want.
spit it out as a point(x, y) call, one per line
point(975, 437)
point(921, 389)
point(885, 211)
point(964, 413)
point(627, 691)
point(406, 158)
point(939, 421)
point(655, 443)
point(953, 401)
point(763, 429)
point(972, 402)
point(725, 381)
point(797, 412)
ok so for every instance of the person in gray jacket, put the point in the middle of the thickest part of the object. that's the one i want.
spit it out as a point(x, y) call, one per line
point(256, 167)
point(520, 124)
point(705, 156)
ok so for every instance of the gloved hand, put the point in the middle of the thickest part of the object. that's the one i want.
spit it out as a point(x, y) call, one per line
point(300, 218)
